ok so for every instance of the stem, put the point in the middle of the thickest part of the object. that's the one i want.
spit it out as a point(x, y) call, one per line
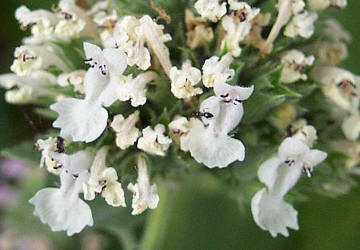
point(156, 224)
point(127, 237)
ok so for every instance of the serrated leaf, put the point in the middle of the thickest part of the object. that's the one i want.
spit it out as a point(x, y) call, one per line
point(164, 117)
point(283, 90)
point(275, 75)
point(258, 105)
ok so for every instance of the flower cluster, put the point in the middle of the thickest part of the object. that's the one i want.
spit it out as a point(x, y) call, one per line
point(126, 90)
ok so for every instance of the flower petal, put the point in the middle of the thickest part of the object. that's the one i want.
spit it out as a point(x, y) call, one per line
point(116, 60)
point(272, 214)
point(114, 195)
point(76, 122)
point(351, 126)
point(267, 172)
point(60, 212)
point(315, 157)
point(292, 147)
point(91, 50)
point(213, 151)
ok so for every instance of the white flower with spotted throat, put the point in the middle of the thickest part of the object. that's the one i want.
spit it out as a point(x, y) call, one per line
point(103, 180)
point(61, 208)
point(183, 80)
point(342, 88)
point(280, 173)
point(294, 62)
point(29, 58)
point(237, 25)
point(74, 119)
point(41, 22)
point(153, 141)
point(211, 145)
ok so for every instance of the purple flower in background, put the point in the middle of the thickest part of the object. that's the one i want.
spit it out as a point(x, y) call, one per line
point(12, 168)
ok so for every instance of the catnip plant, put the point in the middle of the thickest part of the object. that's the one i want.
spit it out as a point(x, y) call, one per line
point(141, 93)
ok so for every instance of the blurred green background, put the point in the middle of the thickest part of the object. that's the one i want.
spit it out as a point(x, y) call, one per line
point(199, 216)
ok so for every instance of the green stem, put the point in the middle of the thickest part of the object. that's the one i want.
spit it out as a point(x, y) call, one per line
point(127, 237)
point(156, 224)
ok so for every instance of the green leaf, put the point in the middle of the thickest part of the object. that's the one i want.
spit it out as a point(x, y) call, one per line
point(258, 105)
point(24, 151)
point(190, 55)
point(164, 118)
point(47, 113)
point(283, 90)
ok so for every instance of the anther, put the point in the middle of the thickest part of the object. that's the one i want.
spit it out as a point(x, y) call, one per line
point(58, 166)
point(208, 115)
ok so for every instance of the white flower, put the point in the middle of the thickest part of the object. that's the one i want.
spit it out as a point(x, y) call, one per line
point(75, 78)
point(180, 127)
point(214, 70)
point(237, 25)
point(352, 150)
point(331, 53)
point(125, 129)
point(30, 58)
point(75, 21)
point(333, 30)
point(280, 173)
point(52, 144)
point(103, 180)
point(106, 22)
point(145, 195)
point(198, 33)
point(127, 36)
point(134, 89)
point(301, 25)
point(351, 125)
point(154, 141)
point(25, 89)
point(184, 80)
point(294, 62)
point(131, 34)
point(155, 39)
point(286, 9)
point(210, 9)
point(61, 208)
point(211, 145)
point(339, 85)
point(41, 22)
point(74, 119)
